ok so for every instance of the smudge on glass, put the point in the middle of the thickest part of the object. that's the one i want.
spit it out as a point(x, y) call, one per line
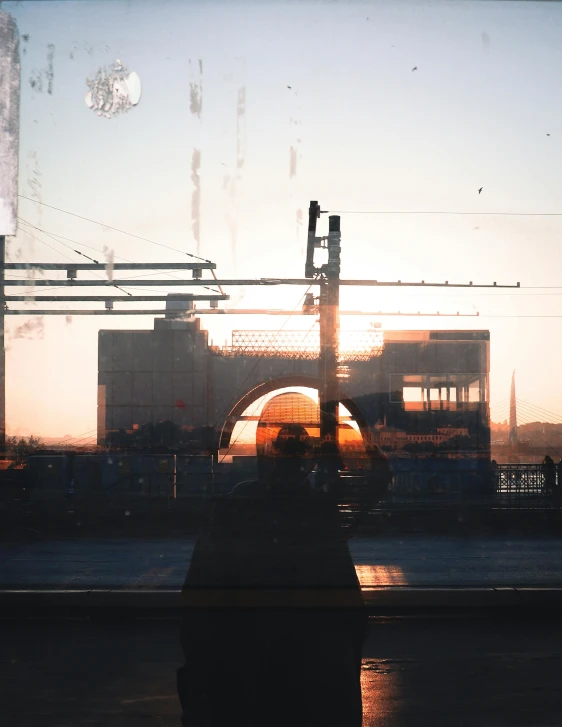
point(292, 162)
point(109, 260)
point(241, 128)
point(113, 90)
point(31, 329)
point(196, 197)
point(50, 73)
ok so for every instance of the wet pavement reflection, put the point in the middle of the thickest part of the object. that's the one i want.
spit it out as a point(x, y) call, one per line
point(380, 575)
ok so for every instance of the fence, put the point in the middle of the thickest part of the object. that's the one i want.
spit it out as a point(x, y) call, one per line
point(104, 480)
point(425, 478)
point(505, 485)
point(521, 479)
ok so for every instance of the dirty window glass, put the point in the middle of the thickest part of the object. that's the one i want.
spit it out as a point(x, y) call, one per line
point(236, 236)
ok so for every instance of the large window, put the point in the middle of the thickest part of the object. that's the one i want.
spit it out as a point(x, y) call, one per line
point(452, 392)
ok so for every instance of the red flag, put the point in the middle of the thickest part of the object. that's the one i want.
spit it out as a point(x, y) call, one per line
point(180, 404)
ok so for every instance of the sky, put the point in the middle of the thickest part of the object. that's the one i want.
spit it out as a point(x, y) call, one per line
point(371, 135)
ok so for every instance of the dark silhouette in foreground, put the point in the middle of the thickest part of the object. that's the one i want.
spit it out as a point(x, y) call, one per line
point(274, 621)
point(549, 473)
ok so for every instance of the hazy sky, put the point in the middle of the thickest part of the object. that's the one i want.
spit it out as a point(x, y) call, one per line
point(483, 109)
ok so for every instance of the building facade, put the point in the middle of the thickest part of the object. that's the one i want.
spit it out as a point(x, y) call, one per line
point(423, 391)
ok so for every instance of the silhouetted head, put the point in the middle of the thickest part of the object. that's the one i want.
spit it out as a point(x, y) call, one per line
point(291, 458)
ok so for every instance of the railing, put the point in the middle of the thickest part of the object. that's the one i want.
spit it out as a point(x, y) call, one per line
point(144, 482)
point(424, 478)
point(506, 485)
point(521, 479)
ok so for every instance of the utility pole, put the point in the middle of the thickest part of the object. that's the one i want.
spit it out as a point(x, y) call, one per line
point(329, 335)
point(328, 391)
point(328, 361)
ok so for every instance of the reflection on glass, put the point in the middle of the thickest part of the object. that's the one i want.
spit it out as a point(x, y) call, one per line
point(175, 306)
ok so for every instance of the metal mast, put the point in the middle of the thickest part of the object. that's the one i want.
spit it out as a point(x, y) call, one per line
point(329, 395)
point(512, 413)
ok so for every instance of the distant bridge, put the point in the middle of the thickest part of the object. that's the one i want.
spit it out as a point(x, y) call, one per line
point(522, 450)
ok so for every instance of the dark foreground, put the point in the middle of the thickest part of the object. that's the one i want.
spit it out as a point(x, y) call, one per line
point(415, 672)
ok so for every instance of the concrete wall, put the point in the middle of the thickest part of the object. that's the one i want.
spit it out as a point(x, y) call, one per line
point(152, 376)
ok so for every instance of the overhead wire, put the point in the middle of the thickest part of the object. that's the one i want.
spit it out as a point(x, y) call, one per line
point(541, 435)
point(68, 440)
point(115, 229)
point(446, 212)
point(68, 239)
point(26, 232)
point(58, 241)
point(83, 441)
point(87, 438)
point(507, 315)
point(525, 414)
point(533, 417)
point(522, 406)
point(546, 411)
point(170, 275)
point(55, 235)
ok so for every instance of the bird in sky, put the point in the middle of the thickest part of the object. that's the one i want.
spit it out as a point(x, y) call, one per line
point(415, 68)
point(548, 134)
point(480, 190)
point(288, 87)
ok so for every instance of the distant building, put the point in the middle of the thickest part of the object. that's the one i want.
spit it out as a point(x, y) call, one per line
point(391, 438)
point(168, 385)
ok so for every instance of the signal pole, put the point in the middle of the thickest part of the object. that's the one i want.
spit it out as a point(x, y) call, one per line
point(329, 334)
point(328, 390)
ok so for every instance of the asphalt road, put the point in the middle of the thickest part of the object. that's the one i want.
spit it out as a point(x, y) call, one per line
point(429, 561)
point(432, 672)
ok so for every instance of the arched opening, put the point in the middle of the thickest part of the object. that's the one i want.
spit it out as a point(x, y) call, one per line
point(238, 436)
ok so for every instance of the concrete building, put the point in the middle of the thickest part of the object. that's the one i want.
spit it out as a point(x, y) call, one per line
point(168, 383)
point(153, 376)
